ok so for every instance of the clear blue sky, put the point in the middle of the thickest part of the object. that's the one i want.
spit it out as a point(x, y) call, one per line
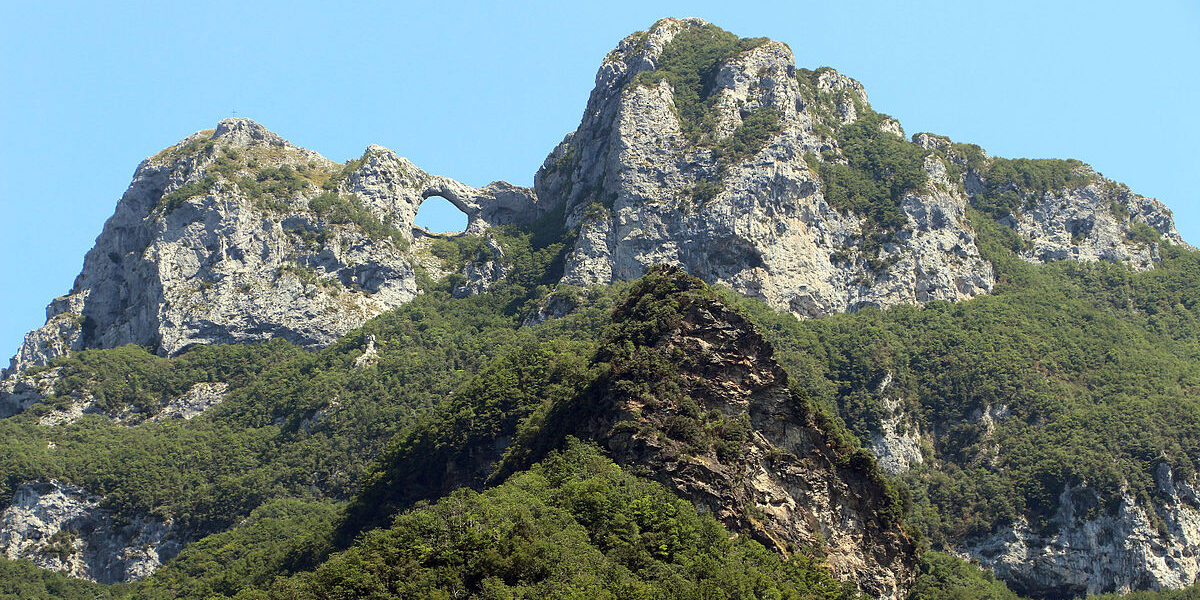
point(482, 91)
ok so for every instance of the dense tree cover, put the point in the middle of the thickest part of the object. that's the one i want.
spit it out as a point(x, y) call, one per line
point(21, 580)
point(281, 536)
point(456, 445)
point(573, 526)
point(1092, 369)
point(869, 174)
point(944, 577)
point(1188, 593)
point(132, 379)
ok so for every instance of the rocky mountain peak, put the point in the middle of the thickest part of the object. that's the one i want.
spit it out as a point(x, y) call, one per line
point(715, 153)
point(235, 235)
point(245, 132)
point(694, 151)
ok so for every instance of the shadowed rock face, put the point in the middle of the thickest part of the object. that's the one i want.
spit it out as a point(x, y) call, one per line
point(59, 526)
point(212, 244)
point(1082, 552)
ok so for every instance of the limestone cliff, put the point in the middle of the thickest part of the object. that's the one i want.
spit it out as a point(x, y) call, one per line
point(1085, 551)
point(234, 235)
point(717, 169)
point(59, 526)
point(643, 191)
point(1080, 215)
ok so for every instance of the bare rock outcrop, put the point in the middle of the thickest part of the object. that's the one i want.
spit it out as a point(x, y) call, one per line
point(234, 235)
point(642, 191)
point(1088, 551)
point(1085, 217)
point(59, 526)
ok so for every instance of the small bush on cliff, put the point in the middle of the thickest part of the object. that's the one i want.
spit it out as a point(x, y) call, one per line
point(173, 200)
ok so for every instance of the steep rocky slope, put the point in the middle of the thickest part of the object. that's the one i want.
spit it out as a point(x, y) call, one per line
point(235, 236)
point(1086, 551)
point(705, 151)
point(58, 526)
point(694, 398)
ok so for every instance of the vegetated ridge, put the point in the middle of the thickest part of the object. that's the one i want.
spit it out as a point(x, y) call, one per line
point(890, 354)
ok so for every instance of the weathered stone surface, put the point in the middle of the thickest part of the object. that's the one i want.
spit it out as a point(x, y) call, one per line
point(1098, 220)
point(1095, 222)
point(897, 443)
point(59, 526)
point(199, 398)
point(21, 392)
point(628, 172)
point(1084, 553)
point(231, 263)
point(786, 483)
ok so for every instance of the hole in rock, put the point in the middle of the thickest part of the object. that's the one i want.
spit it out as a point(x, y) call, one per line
point(438, 215)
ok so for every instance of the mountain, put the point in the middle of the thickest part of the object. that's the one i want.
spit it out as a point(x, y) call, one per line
point(740, 325)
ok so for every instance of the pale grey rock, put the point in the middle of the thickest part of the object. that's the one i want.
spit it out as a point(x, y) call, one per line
point(398, 189)
point(848, 95)
point(199, 398)
point(484, 270)
point(73, 411)
point(21, 392)
point(626, 176)
point(897, 443)
point(1085, 553)
point(60, 527)
point(370, 355)
point(1095, 222)
point(554, 306)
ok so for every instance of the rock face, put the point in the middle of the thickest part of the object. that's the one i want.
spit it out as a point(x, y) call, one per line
point(1090, 219)
point(897, 444)
point(199, 398)
point(1096, 221)
point(22, 391)
point(773, 468)
point(234, 236)
point(58, 526)
point(1117, 551)
point(629, 178)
